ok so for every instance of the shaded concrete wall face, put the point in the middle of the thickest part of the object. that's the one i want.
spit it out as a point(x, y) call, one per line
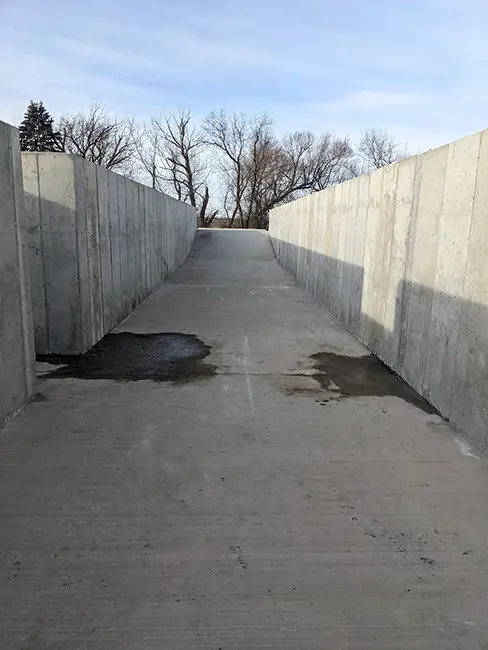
point(99, 244)
point(17, 375)
point(400, 256)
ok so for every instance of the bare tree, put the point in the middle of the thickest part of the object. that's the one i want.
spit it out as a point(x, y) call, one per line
point(299, 164)
point(233, 137)
point(172, 153)
point(377, 149)
point(258, 171)
point(98, 137)
point(148, 143)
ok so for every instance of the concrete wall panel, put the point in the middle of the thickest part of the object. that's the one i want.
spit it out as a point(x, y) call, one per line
point(381, 261)
point(27, 330)
point(321, 244)
point(92, 216)
point(329, 259)
point(64, 303)
point(401, 214)
point(342, 217)
point(82, 253)
point(17, 375)
point(409, 179)
point(124, 244)
point(154, 266)
point(334, 209)
point(358, 253)
point(105, 250)
point(113, 300)
point(351, 211)
point(470, 383)
point(452, 250)
point(142, 287)
point(368, 328)
point(431, 170)
point(35, 254)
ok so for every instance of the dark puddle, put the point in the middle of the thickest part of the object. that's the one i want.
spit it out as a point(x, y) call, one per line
point(363, 377)
point(127, 356)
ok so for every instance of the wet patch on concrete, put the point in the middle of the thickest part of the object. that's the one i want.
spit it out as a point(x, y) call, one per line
point(298, 384)
point(366, 376)
point(127, 356)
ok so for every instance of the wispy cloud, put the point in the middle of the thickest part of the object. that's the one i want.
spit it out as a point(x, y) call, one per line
point(368, 100)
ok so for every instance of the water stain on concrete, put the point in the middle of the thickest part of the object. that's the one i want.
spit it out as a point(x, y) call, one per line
point(129, 356)
point(362, 377)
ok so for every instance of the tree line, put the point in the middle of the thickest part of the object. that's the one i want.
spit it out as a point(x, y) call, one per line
point(232, 167)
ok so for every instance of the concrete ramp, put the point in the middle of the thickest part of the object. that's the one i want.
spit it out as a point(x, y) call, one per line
point(260, 482)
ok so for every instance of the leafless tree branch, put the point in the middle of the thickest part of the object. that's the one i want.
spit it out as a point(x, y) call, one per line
point(377, 149)
point(258, 171)
point(172, 153)
point(98, 137)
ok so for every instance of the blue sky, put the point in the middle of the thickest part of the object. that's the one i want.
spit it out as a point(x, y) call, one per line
point(416, 67)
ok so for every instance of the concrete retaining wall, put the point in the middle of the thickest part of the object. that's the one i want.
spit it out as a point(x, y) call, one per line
point(99, 244)
point(400, 256)
point(17, 374)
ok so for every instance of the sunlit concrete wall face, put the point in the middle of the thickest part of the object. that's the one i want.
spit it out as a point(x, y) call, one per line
point(400, 256)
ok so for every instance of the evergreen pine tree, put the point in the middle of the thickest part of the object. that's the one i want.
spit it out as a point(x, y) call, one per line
point(36, 130)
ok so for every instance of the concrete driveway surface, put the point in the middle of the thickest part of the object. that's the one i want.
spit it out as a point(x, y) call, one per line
point(262, 483)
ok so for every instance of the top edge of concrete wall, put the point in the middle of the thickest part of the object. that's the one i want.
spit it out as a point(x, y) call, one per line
point(420, 154)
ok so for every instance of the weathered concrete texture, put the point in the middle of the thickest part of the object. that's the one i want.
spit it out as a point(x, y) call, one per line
point(403, 266)
point(100, 243)
point(294, 498)
point(17, 373)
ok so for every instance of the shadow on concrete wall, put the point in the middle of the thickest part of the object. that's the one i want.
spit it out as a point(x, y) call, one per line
point(86, 274)
point(435, 341)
